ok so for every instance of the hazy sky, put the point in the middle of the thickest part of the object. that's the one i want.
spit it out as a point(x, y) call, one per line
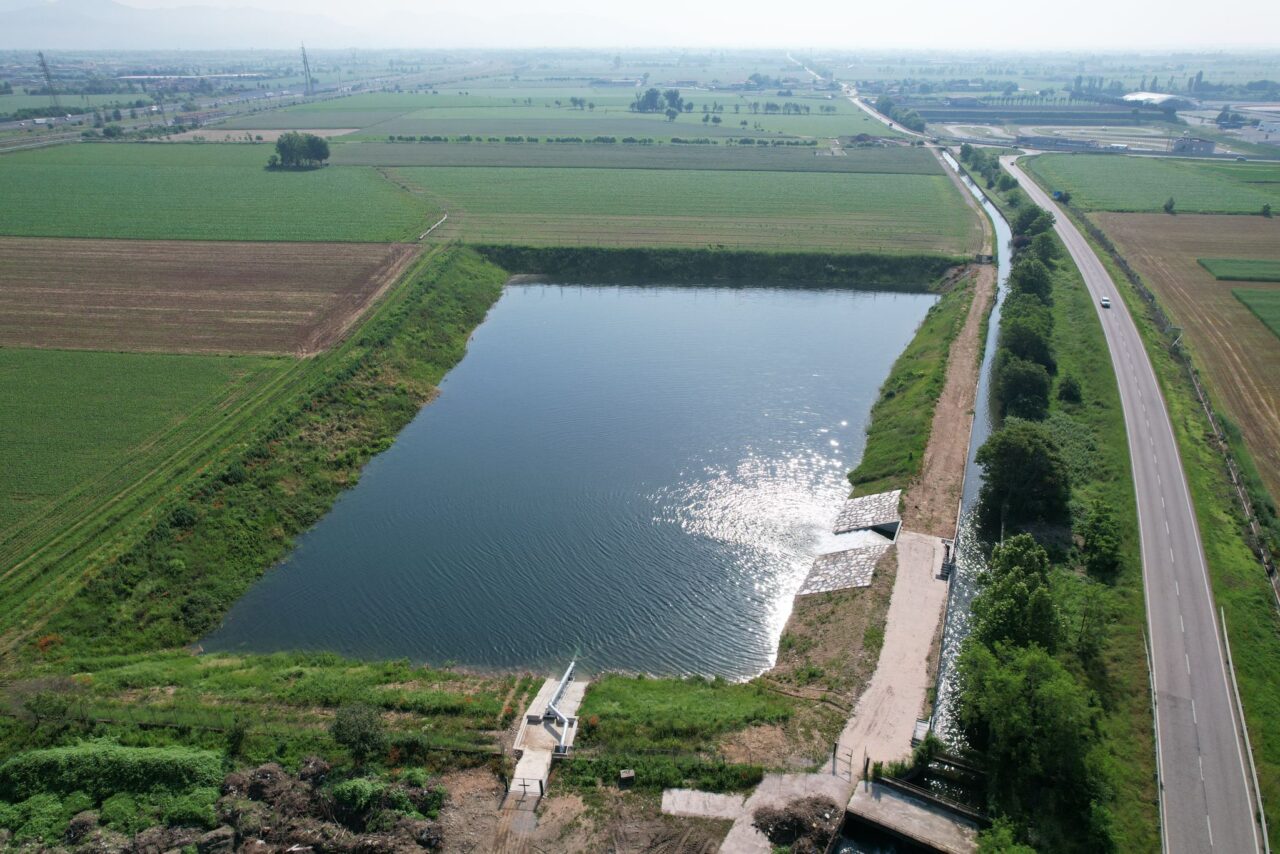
point(1081, 24)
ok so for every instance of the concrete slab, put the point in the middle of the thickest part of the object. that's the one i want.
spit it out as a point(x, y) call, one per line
point(778, 790)
point(843, 569)
point(912, 819)
point(868, 511)
point(692, 803)
point(884, 718)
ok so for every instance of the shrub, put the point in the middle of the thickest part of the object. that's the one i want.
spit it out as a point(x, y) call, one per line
point(359, 729)
point(103, 769)
point(122, 813)
point(358, 796)
point(40, 817)
point(194, 809)
point(1069, 390)
point(1101, 534)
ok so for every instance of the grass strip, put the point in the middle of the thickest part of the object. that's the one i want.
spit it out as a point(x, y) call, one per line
point(1265, 305)
point(1241, 269)
point(902, 417)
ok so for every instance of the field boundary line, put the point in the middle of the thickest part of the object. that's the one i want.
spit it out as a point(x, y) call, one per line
point(434, 227)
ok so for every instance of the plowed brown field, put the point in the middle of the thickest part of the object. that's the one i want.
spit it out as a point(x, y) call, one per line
point(189, 297)
point(1239, 355)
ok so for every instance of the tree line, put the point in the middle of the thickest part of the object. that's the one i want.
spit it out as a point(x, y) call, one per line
point(903, 115)
point(1031, 672)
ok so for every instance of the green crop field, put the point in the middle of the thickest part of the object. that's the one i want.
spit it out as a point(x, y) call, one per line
point(88, 428)
point(849, 212)
point(547, 112)
point(1114, 183)
point(1265, 304)
point(1242, 269)
point(198, 192)
point(773, 158)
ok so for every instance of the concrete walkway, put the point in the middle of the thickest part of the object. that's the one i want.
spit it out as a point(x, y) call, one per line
point(693, 803)
point(885, 716)
point(883, 721)
point(775, 790)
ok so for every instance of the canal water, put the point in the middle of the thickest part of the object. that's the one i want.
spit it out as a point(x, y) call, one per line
point(971, 551)
point(636, 477)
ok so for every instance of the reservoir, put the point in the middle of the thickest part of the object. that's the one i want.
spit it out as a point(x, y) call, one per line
point(638, 477)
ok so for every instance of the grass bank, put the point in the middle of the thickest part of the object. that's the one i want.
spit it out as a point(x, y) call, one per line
point(640, 265)
point(902, 417)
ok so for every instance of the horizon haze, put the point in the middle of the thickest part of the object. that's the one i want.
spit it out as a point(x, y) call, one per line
point(140, 24)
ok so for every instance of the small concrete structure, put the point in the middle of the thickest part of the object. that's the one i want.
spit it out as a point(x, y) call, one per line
point(912, 820)
point(549, 728)
point(1192, 145)
point(775, 790)
point(692, 803)
point(877, 512)
point(844, 569)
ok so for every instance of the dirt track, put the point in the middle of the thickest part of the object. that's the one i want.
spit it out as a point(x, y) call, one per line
point(1239, 355)
point(930, 504)
point(189, 297)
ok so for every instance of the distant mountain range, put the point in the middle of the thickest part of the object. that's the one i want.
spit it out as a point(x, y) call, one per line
point(108, 25)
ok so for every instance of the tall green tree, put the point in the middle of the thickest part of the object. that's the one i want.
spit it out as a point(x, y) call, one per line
point(1021, 387)
point(1035, 732)
point(1025, 478)
point(1030, 276)
point(1101, 535)
point(1017, 604)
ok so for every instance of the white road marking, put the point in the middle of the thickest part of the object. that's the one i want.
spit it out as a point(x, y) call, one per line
point(1195, 720)
point(1209, 825)
point(1187, 658)
point(1202, 768)
point(1166, 528)
point(1177, 589)
point(1182, 623)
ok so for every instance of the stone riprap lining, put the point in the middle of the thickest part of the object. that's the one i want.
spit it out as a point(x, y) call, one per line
point(840, 570)
point(868, 511)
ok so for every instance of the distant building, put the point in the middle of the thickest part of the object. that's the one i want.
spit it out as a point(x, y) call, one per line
point(963, 102)
point(1192, 145)
point(1058, 142)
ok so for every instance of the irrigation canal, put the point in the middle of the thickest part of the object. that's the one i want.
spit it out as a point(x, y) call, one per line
point(970, 550)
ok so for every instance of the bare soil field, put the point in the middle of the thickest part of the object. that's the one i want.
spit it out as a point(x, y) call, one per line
point(220, 134)
point(189, 297)
point(1238, 354)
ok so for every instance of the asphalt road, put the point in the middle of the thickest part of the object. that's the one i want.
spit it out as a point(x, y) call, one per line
point(1206, 801)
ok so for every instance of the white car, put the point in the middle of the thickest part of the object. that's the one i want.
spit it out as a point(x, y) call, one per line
point(1106, 302)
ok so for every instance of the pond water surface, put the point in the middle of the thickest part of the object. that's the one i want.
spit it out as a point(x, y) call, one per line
point(636, 477)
